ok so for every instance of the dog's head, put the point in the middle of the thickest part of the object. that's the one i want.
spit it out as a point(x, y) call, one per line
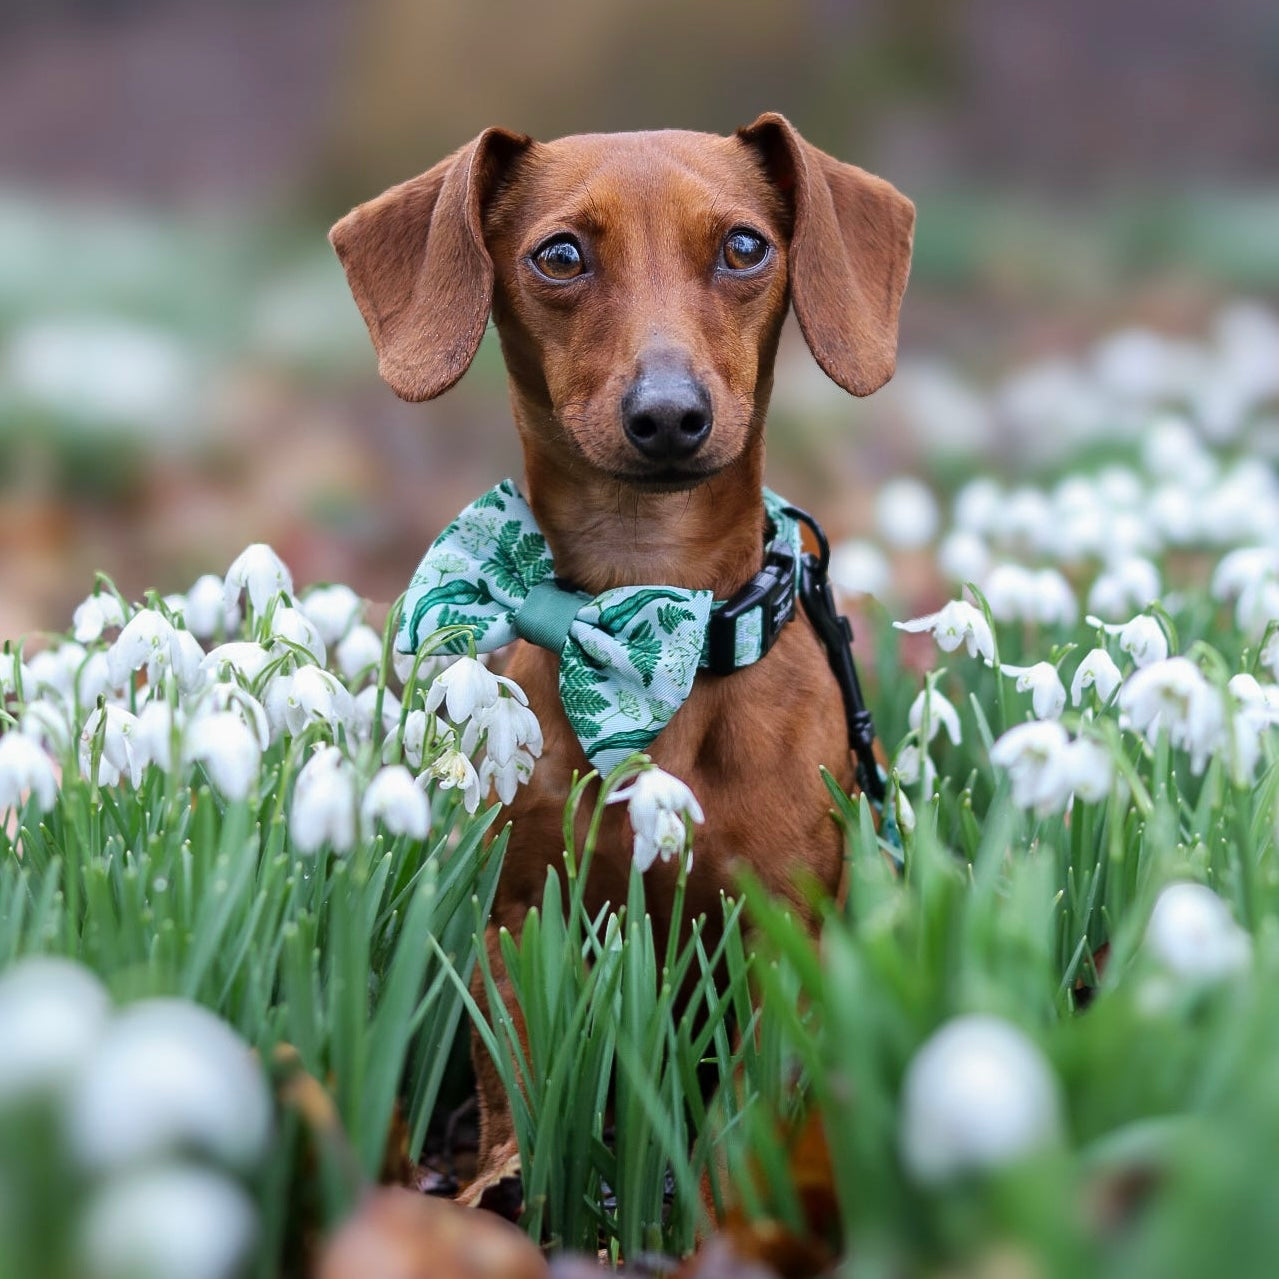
point(638, 282)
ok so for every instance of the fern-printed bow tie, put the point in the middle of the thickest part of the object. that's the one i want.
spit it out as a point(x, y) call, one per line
point(628, 656)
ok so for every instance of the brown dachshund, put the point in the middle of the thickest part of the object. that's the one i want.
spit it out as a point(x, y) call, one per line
point(639, 282)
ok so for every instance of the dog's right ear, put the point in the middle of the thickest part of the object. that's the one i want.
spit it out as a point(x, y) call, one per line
point(417, 265)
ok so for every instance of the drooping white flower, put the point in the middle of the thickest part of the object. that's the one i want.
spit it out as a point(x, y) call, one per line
point(859, 567)
point(243, 657)
point(906, 513)
point(149, 639)
point(205, 610)
point(53, 1012)
point(54, 671)
point(912, 762)
point(956, 623)
point(25, 769)
point(1041, 681)
point(506, 726)
point(465, 687)
point(172, 1221)
point(309, 696)
point(1043, 596)
point(359, 652)
point(294, 627)
point(93, 679)
point(659, 805)
point(229, 749)
point(1133, 583)
point(153, 739)
point(413, 737)
point(333, 610)
point(324, 808)
point(395, 799)
point(1269, 655)
point(1035, 757)
point(96, 614)
point(977, 506)
point(1193, 934)
point(1142, 638)
point(1243, 568)
point(365, 707)
point(226, 695)
point(1173, 696)
point(941, 714)
point(1097, 670)
point(454, 771)
point(963, 556)
point(1247, 690)
point(261, 572)
point(978, 1095)
point(15, 676)
point(506, 778)
point(119, 728)
point(49, 723)
point(1091, 769)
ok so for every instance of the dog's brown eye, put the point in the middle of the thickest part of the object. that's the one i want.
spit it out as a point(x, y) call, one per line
point(560, 258)
point(744, 250)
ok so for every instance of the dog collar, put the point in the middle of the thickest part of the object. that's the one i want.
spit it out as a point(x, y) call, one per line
point(628, 656)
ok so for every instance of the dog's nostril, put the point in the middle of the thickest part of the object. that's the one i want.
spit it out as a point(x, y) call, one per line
point(693, 424)
point(642, 427)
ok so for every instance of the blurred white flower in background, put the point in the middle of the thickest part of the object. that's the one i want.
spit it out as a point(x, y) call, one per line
point(359, 653)
point(204, 609)
point(1172, 696)
point(99, 612)
point(977, 1096)
point(333, 610)
point(246, 658)
point(963, 556)
point(1097, 670)
point(294, 627)
point(310, 695)
point(397, 801)
point(940, 713)
point(659, 805)
point(25, 769)
point(1124, 588)
point(906, 513)
point(365, 707)
point(1041, 681)
point(259, 571)
point(1042, 596)
point(977, 506)
point(1194, 936)
point(1048, 769)
point(229, 749)
point(859, 567)
point(956, 623)
point(118, 729)
point(323, 808)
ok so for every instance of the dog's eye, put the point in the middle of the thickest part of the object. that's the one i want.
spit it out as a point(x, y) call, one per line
point(743, 250)
point(560, 258)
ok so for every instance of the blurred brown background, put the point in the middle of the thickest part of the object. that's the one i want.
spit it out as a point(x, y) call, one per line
point(182, 371)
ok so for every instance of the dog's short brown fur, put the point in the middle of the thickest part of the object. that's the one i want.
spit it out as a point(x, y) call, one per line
point(429, 260)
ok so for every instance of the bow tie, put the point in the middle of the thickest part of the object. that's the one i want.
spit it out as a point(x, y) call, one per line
point(628, 656)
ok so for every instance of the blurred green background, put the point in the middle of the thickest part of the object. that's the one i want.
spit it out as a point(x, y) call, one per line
point(182, 370)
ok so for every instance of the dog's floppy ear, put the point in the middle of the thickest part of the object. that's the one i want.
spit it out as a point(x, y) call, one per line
point(849, 254)
point(416, 263)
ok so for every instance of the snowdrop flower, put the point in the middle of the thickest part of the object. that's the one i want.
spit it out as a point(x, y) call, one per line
point(1026, 518)
point(96, 614)
point(1171, 451)
point(15, 675)
point(906, 513)
point(230, 751)
point(507, 726)
point(1173, 512)
point(859, 567)
point(1041, 681)
point(332, 609)
point(977, 1096)
point(324, 803)
point(1241, 569)
point(1052, 601)
point(205, 611)
point(149, 639)
point(54, 671)
point(25, 769)
point(119, 729)
point(1036, 759)
point(293, 626)
point(309, 696)
point(1173, 696)
point(1247, 728)
point(454, 771)
point(956, 623)
point(1131, 584)
point(413, 737)
point(93, 679)
point(359, 652)
point(168, 1222)
point(977, 506)
point(1192, 934)
point(394, 799)
point(1090, 768)
point(1269, 655)
point(911, 763)
point(259, 571)
point(506, 778)
point(468, 686)
point(941, 714)
point(228, 696)
point(1142, 638)
point(1248, 691)
point(1097, 670)
point(658, 806)
point(365, 706)
point(53, 1012)
point(153, 740)
point(246, 658)
point(47, 723)
point(963, 556)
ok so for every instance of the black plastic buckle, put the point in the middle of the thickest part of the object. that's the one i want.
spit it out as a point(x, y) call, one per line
point(772, 591)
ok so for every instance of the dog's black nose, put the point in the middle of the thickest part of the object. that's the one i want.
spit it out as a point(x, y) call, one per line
point(666, 414)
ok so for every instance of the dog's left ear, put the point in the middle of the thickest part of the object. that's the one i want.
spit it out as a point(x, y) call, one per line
point(419, 270)
point(849, 254)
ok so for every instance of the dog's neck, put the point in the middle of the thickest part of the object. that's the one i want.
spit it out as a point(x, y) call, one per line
point(603, 533)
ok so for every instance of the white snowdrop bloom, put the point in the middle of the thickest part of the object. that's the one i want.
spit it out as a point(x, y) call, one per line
point(911, 763)
point(53, 1012)
point(365, 707)
point(941, 714)
point(153, 739)
point(1097, 670)
point(1091, 769)
point(92, 616)
point(1258, 606)
point(334, 610)
point(167, 1076)
point(963, 556)
point(1193, 934)
point(454, 771)
point(1035, 757)
point(956, 623)
point(1142, 638)
point(395, 799)
point(1171, 451)
point(149, 639)
point(658, 804)
point(506, 778)
point(230, 751)
point(464, 687)
point(1247, 729)
point(1241, 569)
point(48, 723)
point(206, 613)
point(1173, 512)
point(1127, 533)
point(120, 728)
point(15, 676)
point(243, 657)
point(54, 671)
point(1042, 596)
point(172, 1221)
point(1173, 696)
point(1137, 365)
point(1053, 404)
point(259, 571)
point(1027, 519)
point(977, 1096)
point(1041, 681)
point(309, 696)
point(945, 414)
point(1241, 507)
point(93, 679)
point(413, 738)
point(1269, 655)
point(359, 653)
point(506, 726)
point(1123, 588)
point(1119, 486)
point(859, 567)
point(293, 626)
point(906, 513)
point(225, 695)
point(323, 810)
point(1053, 601)
point(977, 506)
point(1247, 690)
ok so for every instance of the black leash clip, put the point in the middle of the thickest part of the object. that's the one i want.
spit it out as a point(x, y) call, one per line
point(772, 591)
point(836, 635)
